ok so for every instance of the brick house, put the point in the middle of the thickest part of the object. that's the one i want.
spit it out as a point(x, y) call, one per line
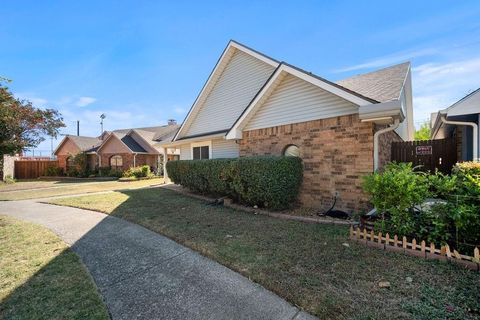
point(252, 104)
point(120, 149)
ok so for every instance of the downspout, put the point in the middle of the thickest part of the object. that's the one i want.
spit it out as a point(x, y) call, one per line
point(375, 142)
point(134, 159)
point(474, 126)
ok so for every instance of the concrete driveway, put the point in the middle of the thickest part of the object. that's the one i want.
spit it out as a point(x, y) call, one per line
point(143, 275)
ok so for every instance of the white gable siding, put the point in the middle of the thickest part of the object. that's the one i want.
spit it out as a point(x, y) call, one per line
point(224, 149)
point(185, 152)
point(296, 100)
point(240, 81)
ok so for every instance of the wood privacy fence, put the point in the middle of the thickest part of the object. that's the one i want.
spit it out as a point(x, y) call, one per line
point(429, 154)
point(416, 249)
point(32, 169)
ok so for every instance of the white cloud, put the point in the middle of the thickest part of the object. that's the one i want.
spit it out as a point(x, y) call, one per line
point(389, 60)
point(179, 110)
point(36, 101)
point(84, 101)
point(438, 85)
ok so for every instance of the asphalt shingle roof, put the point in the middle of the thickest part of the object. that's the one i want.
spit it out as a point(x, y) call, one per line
point(382, 85)
point(86, 143)
point(132, 144)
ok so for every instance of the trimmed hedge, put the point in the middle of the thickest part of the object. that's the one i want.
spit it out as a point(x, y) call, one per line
point(270, 182)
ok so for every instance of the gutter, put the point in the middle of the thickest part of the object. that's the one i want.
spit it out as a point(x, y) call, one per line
point(476, 156)
point(375, 142)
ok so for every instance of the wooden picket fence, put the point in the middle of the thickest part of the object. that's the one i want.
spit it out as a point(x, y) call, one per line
point(416, 249)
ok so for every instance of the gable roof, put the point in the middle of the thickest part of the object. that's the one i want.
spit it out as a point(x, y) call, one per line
point(273, 82)
point(216, 73)
point(150, 134)
point(381, 85)
point(375, 87)
point(133, 145)
point(82, 142)
point(467, 105)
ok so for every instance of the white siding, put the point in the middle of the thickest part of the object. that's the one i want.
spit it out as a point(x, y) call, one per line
point(220, 149)
point(240, 81)
point(185, 152)
point(296, 100)
point(224, 149)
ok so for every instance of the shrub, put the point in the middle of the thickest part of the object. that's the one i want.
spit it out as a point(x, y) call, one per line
point(454, 220)
point(271, 182)
point(80, 166)
point(138, 172)
point(109, 172)
point(54, 171)
point(396, 191)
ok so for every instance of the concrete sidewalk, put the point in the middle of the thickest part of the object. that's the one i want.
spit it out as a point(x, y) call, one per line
point(143, 275)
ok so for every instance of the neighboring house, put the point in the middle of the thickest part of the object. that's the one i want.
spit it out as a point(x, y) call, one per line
point(252, 104)
point(120, 149)
point(461, 121)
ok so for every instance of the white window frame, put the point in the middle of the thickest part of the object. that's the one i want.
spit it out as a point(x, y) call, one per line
point(202, 144)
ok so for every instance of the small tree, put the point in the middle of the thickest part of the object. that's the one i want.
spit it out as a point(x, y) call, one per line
point(423, 133)
point(22, 125)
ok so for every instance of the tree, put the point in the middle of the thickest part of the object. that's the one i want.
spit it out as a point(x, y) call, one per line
point(423, 133)
point(22, 125)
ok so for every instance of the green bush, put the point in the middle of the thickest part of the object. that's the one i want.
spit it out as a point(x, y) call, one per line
point(137, 172)
point(54, 172)
point(455, 220)
point(109, 172)
point(270, 182)
point(397, 190)
point(80, 166)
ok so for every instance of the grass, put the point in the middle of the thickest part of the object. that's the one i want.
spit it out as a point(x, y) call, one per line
point(307, 264)
point(41, 278)
point(45, 189)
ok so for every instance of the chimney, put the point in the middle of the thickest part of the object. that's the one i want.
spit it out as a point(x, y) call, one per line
point(172, 122)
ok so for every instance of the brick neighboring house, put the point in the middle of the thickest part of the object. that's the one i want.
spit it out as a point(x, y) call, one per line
point(252, 104)
point(120, 149)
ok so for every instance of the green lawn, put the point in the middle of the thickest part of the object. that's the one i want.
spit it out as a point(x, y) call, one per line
point(313, 266)
point(44, 189)
point(41, 278)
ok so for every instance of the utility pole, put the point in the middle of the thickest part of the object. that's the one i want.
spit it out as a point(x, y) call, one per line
point(78, 127)
point(102, 116)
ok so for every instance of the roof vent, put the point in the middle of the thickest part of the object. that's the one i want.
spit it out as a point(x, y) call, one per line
point(172, 122)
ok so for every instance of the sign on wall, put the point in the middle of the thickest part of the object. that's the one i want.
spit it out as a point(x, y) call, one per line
point(423, 150)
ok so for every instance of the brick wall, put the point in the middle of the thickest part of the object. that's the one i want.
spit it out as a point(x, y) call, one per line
point(336, 153)
point(140, 160)
point(126, 157)
point(385, 146)
point(66, 149)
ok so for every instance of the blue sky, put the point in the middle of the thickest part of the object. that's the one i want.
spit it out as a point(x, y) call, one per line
point(143, 62)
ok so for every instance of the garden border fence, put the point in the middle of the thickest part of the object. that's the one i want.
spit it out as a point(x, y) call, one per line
point(415, 249)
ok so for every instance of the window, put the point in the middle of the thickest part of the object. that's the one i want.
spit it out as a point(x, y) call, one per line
point(116, 162)
point(291, 151)
point(201, 152)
